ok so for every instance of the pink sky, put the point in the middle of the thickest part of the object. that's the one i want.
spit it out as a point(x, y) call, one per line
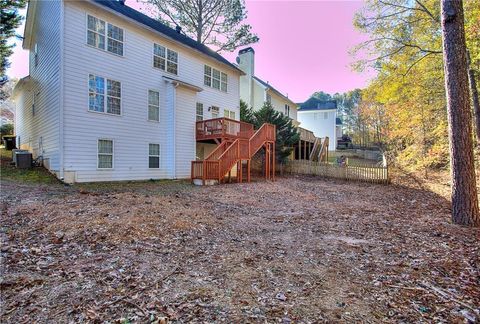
point(303, 46)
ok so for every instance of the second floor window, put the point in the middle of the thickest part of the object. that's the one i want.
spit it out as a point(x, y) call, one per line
point(165, 59)
point(215, 78)
point(104, 36)
point(287, 110)
point(153, 105)
point(104, 95)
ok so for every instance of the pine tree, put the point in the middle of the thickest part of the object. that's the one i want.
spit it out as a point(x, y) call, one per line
point(246, 113)
point(10, 19)
point(287, 134)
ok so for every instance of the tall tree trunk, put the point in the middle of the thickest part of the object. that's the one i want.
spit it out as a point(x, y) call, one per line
point(464, 191)
point(476, 103)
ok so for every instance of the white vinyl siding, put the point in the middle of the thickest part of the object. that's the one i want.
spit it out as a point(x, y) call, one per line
point(165, 59)
point(175, 130)
point(111, 41)
point(199, 111)
point(38, 130)
point(105, 154)
point(154, 156)
point(215, 78)
point(104, 95)
point(153, 105)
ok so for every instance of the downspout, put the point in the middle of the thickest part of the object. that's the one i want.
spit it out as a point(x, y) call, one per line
point(61, 95)
point(174, 101)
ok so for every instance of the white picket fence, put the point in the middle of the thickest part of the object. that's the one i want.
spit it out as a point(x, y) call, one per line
point(365, 173)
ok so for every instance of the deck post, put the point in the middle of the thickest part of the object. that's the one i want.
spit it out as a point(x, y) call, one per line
point(204, 171)
point(274, 161)
point(248, 170)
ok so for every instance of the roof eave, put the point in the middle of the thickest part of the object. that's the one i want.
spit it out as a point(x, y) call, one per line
point(29, 22)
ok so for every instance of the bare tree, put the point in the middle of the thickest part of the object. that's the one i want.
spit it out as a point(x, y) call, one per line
point(465, 208)
point(217, 23)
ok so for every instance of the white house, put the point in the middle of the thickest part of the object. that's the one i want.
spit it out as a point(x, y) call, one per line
point(114, 95)
point(320, 117)
point(255, 92)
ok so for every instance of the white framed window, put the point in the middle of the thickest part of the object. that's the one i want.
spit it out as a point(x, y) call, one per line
point(215, 111)
point(104, 95)
point(325, 115)
point(199, 111)
point(215, 78)
point(165, 59)
point(287, 110)
point(104, 36)
point(153, 156)
point(105, 154)
point(269, 98)
point(153, 105)
point(229, 114)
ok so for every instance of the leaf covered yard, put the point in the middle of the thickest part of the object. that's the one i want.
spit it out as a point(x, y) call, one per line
point(296, 250)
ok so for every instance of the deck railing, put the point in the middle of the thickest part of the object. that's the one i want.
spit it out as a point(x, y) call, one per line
point(221, 160)
point(222, 128)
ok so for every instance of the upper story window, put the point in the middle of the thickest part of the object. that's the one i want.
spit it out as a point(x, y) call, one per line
point(287, 110)
point(165, 59)
point(325, 115)
point(153, 105)
point(199, 115)
point(104, 35)
point(104, 95)
point(215, 78)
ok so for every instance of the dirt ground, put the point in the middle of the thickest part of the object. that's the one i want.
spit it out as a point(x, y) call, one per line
point(298, 250)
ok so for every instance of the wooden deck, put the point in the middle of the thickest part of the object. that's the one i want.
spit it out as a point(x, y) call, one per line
point(221, 129)
point(238, 143)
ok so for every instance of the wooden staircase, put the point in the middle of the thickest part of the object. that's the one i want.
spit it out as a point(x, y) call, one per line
point(218, 165)
point(320, 150)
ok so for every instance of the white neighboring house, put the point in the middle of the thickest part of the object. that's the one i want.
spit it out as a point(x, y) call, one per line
point(321, 118)
point(114, 95)
point(255, 92)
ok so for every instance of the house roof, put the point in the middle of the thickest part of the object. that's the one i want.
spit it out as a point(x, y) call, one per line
point(171, 33)
point(338, 121)
point(269, 86)
point(317, 104)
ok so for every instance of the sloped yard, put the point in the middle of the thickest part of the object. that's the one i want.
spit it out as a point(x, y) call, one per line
point(297, 250)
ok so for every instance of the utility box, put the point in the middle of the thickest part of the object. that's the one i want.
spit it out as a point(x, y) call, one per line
point(10, 142)
point(23, 160)
point(14, 154)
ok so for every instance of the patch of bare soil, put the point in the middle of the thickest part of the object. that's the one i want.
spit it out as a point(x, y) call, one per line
point(296, 250)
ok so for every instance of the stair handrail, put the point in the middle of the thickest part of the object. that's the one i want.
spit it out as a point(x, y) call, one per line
point(223, 170)
point(212, 154)
point(264, 130)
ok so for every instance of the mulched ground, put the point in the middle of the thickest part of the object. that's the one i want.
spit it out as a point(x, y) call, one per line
point(297, 250)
